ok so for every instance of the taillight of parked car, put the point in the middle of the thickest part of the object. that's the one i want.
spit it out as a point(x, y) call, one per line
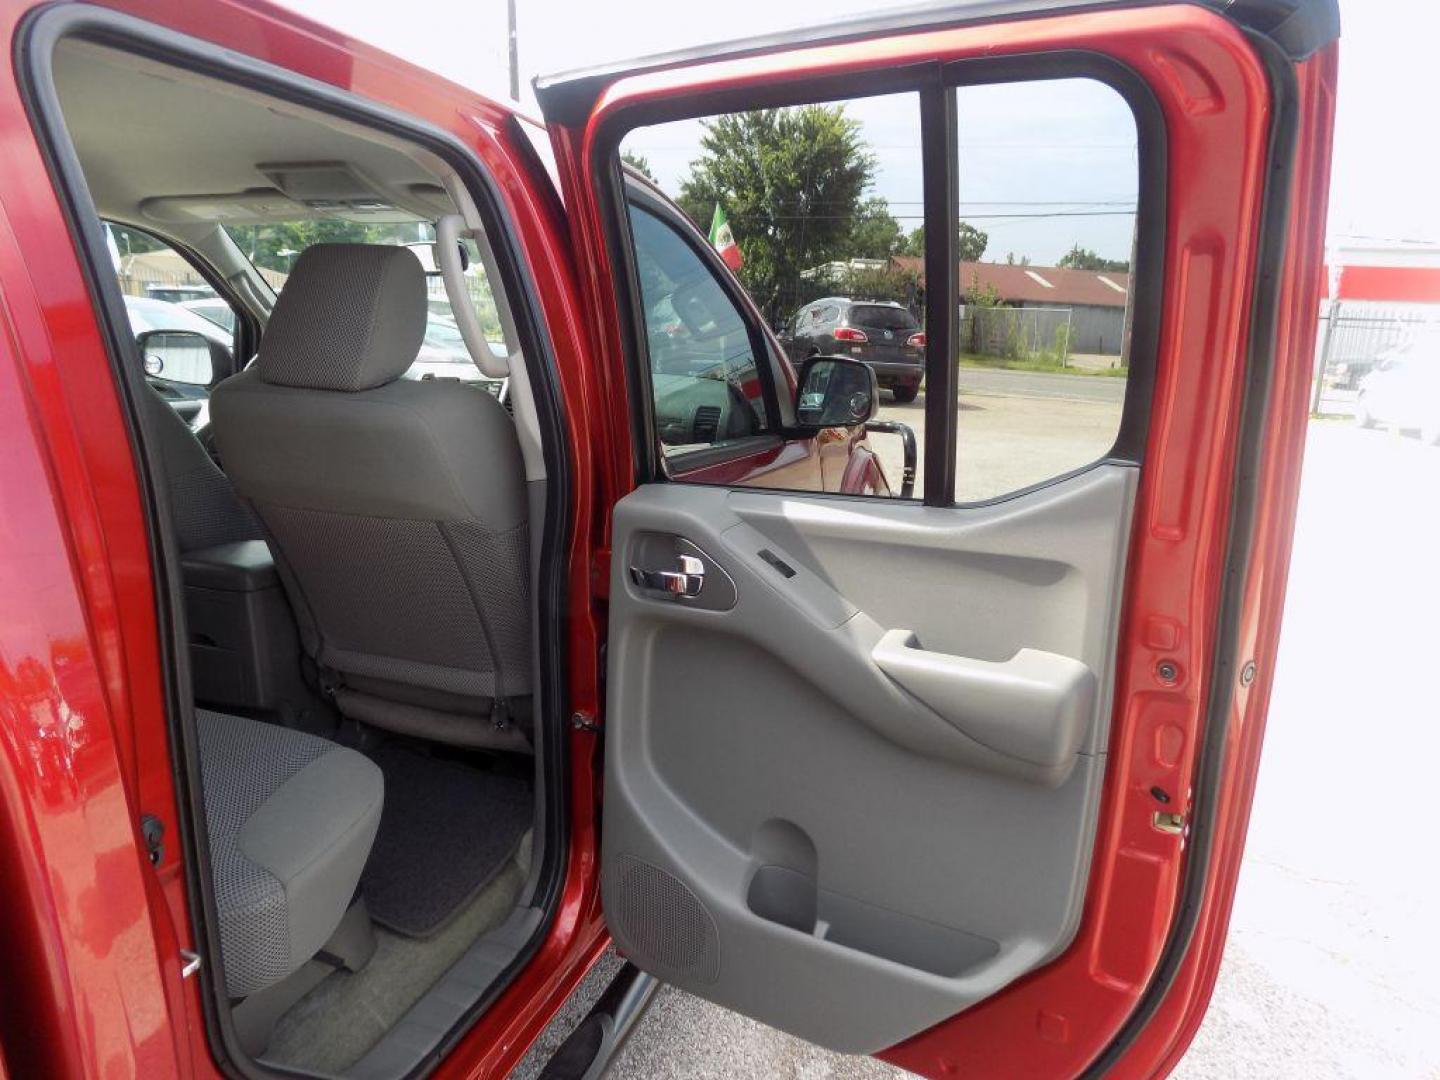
point(847, 333)
point(916, 341)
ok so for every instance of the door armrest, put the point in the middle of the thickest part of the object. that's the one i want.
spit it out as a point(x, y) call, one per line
point(1034, 706)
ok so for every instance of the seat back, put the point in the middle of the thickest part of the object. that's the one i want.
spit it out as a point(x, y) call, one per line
point(204, 509)
point(397, 506)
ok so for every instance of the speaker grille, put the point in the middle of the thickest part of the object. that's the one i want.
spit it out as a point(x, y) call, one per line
point(663, 923)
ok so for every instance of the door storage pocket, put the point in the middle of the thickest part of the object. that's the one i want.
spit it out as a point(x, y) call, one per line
point(792, 899)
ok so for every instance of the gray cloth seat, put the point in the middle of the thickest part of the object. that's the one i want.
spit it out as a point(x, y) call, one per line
point(396, 507)
point(204, 508)
point(291, 818)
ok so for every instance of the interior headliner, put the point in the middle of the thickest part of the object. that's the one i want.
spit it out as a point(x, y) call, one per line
point(146, 131)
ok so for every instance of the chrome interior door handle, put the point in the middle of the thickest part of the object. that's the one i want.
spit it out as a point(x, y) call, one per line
point(687, 579)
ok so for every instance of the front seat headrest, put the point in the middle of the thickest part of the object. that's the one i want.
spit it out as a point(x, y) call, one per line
point(350, 317)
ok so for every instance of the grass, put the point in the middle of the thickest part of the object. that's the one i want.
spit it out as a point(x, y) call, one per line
point(1037, 363)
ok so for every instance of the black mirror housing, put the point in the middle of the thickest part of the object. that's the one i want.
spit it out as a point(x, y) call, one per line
point(836, 391)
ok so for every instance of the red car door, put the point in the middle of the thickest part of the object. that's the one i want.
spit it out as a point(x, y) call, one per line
point(822, 807)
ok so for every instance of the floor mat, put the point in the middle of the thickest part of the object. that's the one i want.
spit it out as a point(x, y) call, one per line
point(445, 832)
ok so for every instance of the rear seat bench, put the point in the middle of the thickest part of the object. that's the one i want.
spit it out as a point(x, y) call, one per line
point(291, 818)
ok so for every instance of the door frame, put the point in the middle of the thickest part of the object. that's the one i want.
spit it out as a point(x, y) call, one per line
point(1204, 503)
point(566, 946)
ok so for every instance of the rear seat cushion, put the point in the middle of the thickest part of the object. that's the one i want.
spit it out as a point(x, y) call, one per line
point(291, 819)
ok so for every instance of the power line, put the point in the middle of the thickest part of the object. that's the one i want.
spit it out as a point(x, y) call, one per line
point(968, 217)
point(1130, 203)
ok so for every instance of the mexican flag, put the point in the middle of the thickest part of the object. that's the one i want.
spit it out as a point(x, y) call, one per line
point(723, 240)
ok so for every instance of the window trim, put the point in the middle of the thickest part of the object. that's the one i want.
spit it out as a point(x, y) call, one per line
point(939, 136)
point(611, 203)
point(1147, 275)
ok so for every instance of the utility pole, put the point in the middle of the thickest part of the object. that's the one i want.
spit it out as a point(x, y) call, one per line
point(514, 54)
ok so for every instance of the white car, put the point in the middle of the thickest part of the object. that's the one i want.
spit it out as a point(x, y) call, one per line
point(1404, 392)
point(147, 313)
point(214, 308)
point(443, 355)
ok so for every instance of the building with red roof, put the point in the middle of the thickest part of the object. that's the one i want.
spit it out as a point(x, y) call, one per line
point(1091, 304)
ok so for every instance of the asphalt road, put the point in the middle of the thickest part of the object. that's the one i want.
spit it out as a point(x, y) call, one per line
point(1102, 388)
point(1329, 968)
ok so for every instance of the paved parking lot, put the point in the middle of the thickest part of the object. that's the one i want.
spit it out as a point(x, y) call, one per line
point(1017, 428)
point(1329, 971)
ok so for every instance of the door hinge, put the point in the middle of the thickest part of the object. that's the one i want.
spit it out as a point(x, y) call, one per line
point(1168, 822)
point(153, 831)
point(583, 721)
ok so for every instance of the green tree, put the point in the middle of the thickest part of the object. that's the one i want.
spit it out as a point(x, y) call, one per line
point(887, 283)
point(875, 234)
point(790, 181)
point(1011, 260)
point(640, 163)
point(1079, 258)
point(970, 243)
point(133, 241)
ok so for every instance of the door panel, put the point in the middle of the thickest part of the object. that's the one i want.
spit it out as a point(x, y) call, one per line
point(1239, 106)
point(743, 860)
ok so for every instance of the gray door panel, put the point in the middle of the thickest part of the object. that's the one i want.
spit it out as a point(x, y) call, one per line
point(859, 794)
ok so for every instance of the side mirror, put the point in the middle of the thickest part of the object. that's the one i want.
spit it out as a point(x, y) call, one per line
point(182, 356)
point(836, 392)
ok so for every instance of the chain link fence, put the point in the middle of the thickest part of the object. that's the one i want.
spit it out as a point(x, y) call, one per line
point(1016, 333)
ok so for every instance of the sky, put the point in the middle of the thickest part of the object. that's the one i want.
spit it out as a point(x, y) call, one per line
point(1043, 166)
point(1386, 168)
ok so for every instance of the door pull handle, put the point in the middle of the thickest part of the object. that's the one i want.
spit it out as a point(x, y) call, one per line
point(686, 580)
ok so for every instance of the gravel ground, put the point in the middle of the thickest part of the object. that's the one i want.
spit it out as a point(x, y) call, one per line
point(1333, 942)
point(1017, 428)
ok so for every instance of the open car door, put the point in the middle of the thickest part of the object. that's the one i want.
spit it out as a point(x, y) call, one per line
point(966, 784)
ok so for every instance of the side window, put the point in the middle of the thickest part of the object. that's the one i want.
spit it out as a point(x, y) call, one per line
point(1049, 187)
point(820, 210)
point(802, 204)
point(171, 307)
point(704, 376)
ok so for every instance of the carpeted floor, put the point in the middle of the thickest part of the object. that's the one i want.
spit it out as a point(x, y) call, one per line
point(446, 831)
point(336, 1023)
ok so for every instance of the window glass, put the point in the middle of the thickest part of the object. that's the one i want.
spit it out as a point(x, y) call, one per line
point(175, 315)
point(1049, 182)
point(812, 208)
point(274, 247)
point(819, 212)
point(703, 374)
point(877, 317)
point(163, 291)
